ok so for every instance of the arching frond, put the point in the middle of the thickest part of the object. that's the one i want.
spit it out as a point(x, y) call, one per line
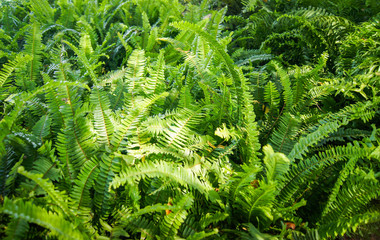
point(34, 214)
point(161, 169)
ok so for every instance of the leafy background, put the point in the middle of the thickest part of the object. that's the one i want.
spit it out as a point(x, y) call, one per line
point(149, 119)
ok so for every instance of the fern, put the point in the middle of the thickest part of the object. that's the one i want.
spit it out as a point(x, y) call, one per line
point(8, 68)
point(102, 116)
point(33, 47)
point(301, 172)
point(75, 139)
point(172, 221)
point(34, 214)
point(43, 11)
point(109, 166)
point(80, 195)
point(161, 169)
point(42, 127)
point(57, 197)
point(218, 48)
point(129, 123)
point(17, 229)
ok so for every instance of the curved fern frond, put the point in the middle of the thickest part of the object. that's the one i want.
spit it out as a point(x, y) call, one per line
point(300, 174)
point(34, 214)
point(76, 138)
point(301, 147)
point(85, 61)
point(17, 229)
point(33, 47)
point(109, 166)
point(219, 50)
point(172, 221)
point(249, 120)
point(58, 198)
point(9, 67)
point(130, 122)
point(343, 225)
point(359, 189)
point(81, 196)
point(277, 164)
point(271, 95)
point(285, 81)
point(256, 203)
point(135, 71)
point(339, 182)
point(284, 137)
point(155, 84)
point(43, 11)
point(161, 169)
point(178, 135)
point(102, 112)
point(242, 180)
point(42, 128)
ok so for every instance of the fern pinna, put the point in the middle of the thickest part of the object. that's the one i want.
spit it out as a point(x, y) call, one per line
point(152, 119)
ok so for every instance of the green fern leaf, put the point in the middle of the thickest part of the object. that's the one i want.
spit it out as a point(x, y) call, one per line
point(172, 221)
point(34, 214)
point(58, 198)
point(11, 66)
point(161, 169)
point(33, 47)
point(131, 121)
point(109, 166)
point(42, 127)
point(80, 195)
point(17, 229)
point(102, 116)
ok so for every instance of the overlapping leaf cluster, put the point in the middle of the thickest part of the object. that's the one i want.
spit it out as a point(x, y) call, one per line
point(148, 120)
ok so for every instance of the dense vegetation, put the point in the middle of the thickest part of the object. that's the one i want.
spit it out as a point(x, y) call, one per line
point(163, 119)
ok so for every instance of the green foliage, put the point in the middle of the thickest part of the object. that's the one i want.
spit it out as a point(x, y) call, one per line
point(167, 119)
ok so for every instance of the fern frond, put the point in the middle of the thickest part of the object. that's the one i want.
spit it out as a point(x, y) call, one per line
point(76, 138)
point(146, 227)
point(254, 233)
point(177, 173)
point(155, 84)
point(284, 137)
point(338, 183)
point(80, 195)
point(42, 128)
point(178, 135)
point(102, 114)
point(17, 229)
point(256, 203)
point(202, 235)
point(135, 70)
point(172, 221)
point(109, 166)
point(58, 198)
point(359, 189)
point(33, 47)
point(301, 147)
point(277, 164)
point(43, 11)
point(345, 224)
point(241, 180)
point(285, 81)
point(85, 61)
point(130, 122)
point(9, 67)
point(219, 50)
point(271, 95)
point(34, 214)
point(300, 174)
point(249, 119)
